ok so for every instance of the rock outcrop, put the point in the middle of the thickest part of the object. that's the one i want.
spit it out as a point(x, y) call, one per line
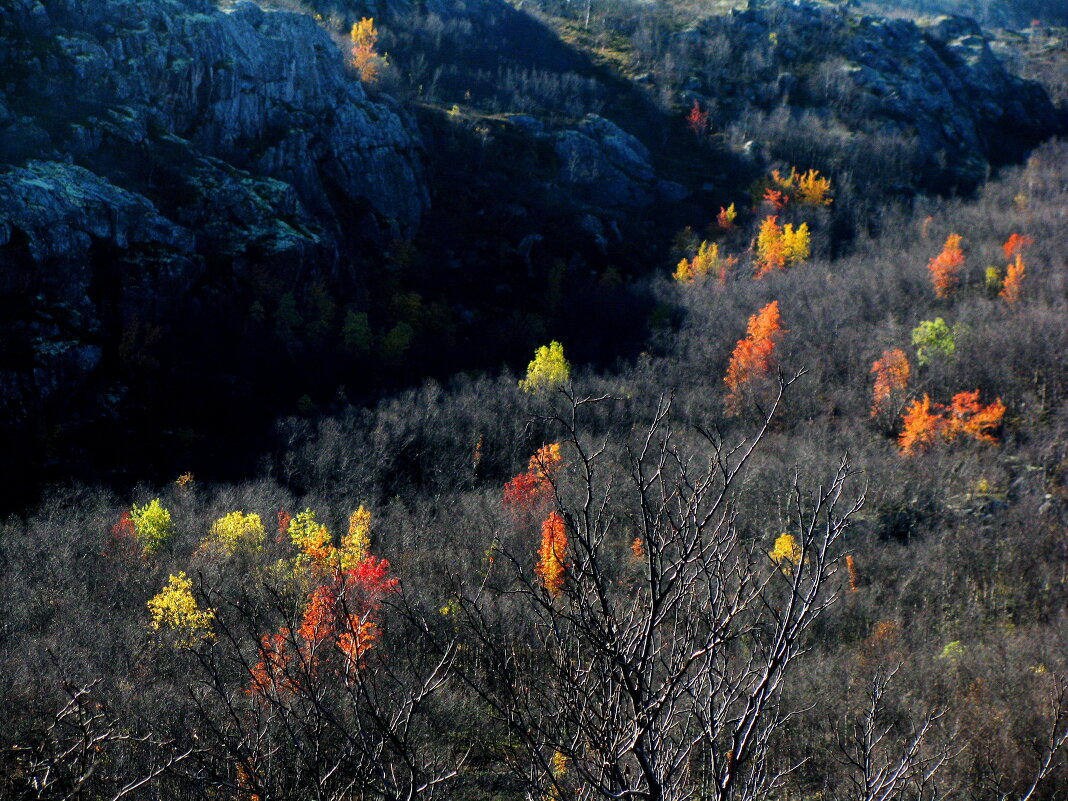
point(931, 97)
point(608, 167)
point(147, 147)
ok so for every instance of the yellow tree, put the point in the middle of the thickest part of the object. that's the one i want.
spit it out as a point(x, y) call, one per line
point(356, 545)
point(707, 261)
point(770, 252)
point(812, 190)
point(175, 608)
point(786, 553)
point(781, 245)
point(547, 370)
point(235, 532)
point(364, 59)
point(152, 525)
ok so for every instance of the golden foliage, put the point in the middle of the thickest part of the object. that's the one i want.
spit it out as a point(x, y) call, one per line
point(786, 553)
point(780, 245)
point(771, 254)
point(357, 543)
point(812, 190)
point(683, 272)
point(175, 608)
point(796, 244)
point(545, 461)
point(364, 59)
point(807, 189)
point(707, 262)
point(313, 539)
point(235, 532)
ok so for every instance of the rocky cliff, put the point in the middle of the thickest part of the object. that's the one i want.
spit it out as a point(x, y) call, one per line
point(920, 104)
point(149, 146)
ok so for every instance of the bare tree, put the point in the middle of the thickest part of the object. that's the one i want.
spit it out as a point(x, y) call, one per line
point(1048, 748)
point(85, 752)
point(883, 767)
point(659, 675)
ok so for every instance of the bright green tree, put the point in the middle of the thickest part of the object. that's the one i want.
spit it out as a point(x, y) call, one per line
point(547, 370)
point(152, 525)
point(933, 338)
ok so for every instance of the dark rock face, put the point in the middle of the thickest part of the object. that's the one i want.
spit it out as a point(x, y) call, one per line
point(148, 146)
point(265, 91)
point(936, 92)
point(608, 167)
point(943, 80)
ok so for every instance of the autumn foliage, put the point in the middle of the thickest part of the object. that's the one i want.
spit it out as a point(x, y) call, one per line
point(926, 423)
point(697, 120)
point(726, 217)
point(805, 189)
point(1015, 244)
point(548, 369)
point(339, 619)
point(752, 356)
point(780, 245)
point(813, 190)
point(272, 674)
point(175, 609)
point(921, 427)
point(316, 543)
point(786, 554)
point(891, 373)
point(364, 59)
point(550, 566)
point(965, 416)
point(706, 262)
point(532, 489)
point(945, 268)
point(1014, 275)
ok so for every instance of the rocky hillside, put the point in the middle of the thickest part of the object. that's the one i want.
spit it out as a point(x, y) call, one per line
point(174, 175)
point(922, 104)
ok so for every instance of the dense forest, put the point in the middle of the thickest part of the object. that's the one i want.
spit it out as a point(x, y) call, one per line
point(542, 400)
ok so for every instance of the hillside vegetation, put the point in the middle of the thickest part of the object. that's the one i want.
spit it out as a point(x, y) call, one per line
point(639, 402)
